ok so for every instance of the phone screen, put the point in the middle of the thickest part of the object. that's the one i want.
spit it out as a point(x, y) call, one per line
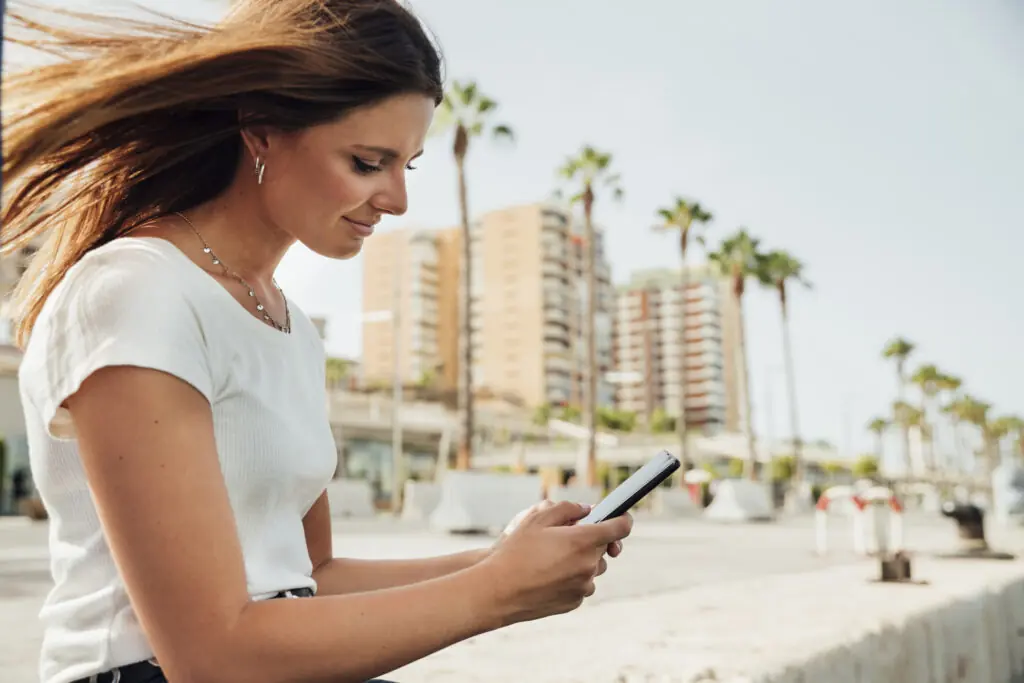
point(629, 492)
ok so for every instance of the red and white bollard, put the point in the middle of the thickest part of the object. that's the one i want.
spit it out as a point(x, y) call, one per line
point(881, 506)
point(827, 498)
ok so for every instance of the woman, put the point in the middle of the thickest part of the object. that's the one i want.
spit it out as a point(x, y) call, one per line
point(174, 394)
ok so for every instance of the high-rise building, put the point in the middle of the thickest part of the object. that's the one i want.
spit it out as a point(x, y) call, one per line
point(647, 347)
point(12, 267)
point(401, 311)
point(529, 297)
point(529, 301)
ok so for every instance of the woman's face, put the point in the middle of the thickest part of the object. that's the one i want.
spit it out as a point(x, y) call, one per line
point(328, 186)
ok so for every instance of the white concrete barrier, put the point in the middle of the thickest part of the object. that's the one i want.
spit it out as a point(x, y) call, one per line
point(740, 500)
point(830, 626)
point(577, 493)
point(351, 498)
point(483, 501)
point(420, 499)
point(674, 502)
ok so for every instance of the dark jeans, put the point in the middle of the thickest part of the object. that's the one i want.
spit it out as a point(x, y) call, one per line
point(148, 672)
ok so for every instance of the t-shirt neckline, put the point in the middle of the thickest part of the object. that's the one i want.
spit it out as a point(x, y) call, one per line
point(199, 271)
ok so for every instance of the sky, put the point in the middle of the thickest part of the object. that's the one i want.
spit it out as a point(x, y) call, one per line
point(881, 143)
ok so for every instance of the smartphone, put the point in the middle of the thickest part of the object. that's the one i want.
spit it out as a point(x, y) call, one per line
point(630, 492)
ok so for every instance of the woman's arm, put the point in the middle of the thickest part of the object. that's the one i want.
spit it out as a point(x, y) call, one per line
point(147, 445)
point(339, 576)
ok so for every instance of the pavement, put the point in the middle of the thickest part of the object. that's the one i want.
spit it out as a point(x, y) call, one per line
point(661, 557)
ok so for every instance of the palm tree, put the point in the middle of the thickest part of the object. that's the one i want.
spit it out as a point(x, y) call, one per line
point(909, 417)
point(949, 389)
point(899, 350)
point(590, 171)
point(681, 217)
point(1015, 425)
point(970, 410)
point(928, 379)
point(1002, 427)
point(738, 258)
point(336, 372)
point(878, 426)
point(466, 112)
point(962, 409)
point(778, 269)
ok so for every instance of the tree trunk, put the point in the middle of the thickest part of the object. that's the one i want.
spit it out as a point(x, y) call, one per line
point(958, 453)
point(794, 423)
point(465, 451)
point(684, 282)
point(590, 393)
point(905, 429)
point(744, 390)
point(648, 371)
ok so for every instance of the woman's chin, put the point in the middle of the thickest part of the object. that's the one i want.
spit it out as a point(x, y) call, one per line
point(341, 248)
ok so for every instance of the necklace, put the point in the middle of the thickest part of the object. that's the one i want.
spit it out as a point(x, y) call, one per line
point(260, 308)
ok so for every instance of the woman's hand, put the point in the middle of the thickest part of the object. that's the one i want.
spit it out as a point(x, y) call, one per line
point(614, 549)
point(546, 564)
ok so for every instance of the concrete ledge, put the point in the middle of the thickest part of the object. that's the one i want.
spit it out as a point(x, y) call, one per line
point(350, 498)
point(740, 500)
point(420, 499)
point(674, 502)
point(840, 627)
point(483, 501)
point(586, 495)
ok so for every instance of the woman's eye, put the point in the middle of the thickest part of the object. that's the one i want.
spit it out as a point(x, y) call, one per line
point(365, 167)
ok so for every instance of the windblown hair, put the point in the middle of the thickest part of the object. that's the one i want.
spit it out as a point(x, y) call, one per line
point(134, 120)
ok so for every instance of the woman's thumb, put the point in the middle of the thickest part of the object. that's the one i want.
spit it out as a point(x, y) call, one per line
point(563, 513)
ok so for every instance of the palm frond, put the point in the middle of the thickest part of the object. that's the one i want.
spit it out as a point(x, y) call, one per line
point(469, 94)
point(503, 131)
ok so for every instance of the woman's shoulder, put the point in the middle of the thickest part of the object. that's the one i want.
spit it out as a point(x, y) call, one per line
point(124, 272)
point(126, 303)
point(119, 288)
point(145, 258)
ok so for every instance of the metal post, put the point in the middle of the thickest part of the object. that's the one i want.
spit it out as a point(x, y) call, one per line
point(396, 398)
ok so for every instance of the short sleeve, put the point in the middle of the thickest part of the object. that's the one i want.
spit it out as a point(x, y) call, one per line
point(125, 307)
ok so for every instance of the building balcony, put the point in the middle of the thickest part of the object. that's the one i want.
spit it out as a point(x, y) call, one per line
point(558, 364)
point(556, 314)
point(556, 332)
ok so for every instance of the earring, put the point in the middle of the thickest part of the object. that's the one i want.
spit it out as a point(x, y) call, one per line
point(260, 168)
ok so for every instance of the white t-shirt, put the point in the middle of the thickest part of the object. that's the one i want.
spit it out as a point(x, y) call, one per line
point(142, 302)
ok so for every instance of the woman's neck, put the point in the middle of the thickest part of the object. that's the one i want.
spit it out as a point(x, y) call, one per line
point(241, 236)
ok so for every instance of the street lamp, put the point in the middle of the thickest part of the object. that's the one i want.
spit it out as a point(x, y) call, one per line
point(393, 317)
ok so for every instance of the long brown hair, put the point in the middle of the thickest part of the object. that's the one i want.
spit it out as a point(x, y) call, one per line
point(135, 120)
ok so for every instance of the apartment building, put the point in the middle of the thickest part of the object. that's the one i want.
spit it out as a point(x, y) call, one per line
point(529, 304)
point(529, 299)
point(12, 267)
point(12, 421)
point(647, 328)
point(401, 309)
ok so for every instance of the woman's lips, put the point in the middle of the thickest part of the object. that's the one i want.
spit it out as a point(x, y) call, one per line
point(362, 229)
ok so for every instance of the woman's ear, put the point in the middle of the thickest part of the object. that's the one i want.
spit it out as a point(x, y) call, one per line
point(257, 140)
